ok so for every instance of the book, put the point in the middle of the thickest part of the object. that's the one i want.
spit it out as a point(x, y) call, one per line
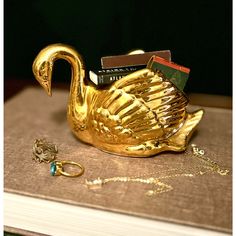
point(108, 76)
point(118, 61)
point(177, 74)
point(35, 201)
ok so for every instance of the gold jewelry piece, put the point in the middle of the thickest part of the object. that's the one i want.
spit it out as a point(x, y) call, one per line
point(211, 165)
point(140, 115)
point(44, 151)
point(57, 168)
point(159, 187)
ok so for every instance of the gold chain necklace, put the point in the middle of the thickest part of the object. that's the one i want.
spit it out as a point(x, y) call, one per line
point(160, 187)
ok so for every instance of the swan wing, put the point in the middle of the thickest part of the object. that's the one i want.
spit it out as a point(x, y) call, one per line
point(141, 106)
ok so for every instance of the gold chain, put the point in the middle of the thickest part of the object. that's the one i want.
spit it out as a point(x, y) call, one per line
point(160, 187)
point(213, 166)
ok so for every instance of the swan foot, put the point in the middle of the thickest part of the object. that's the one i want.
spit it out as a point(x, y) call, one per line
point(177, 142)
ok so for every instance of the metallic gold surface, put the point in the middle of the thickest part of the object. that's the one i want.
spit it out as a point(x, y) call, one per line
point(140, 115)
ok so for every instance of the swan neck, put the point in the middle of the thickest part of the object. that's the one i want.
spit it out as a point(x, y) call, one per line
point(77, 74)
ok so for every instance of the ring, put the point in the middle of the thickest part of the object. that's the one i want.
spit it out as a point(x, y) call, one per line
point(44, 151)
point(56, 168)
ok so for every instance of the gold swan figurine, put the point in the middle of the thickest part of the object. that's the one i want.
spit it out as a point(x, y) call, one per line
point(140, 115)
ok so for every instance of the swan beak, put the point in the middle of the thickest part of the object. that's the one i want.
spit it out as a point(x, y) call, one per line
point(45, 81)
point(47, 88)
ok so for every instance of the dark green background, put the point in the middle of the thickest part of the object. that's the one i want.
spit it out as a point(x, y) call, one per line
point(198, 33)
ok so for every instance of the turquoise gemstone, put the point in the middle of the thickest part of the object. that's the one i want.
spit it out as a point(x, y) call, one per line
point(53, 168)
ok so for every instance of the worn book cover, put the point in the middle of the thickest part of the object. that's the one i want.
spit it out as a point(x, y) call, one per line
point(188, 189)
point(177, 74)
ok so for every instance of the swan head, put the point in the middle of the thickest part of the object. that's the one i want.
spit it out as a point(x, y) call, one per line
point(42, 69)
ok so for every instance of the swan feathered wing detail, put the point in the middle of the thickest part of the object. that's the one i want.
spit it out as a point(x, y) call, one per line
point(141, 106)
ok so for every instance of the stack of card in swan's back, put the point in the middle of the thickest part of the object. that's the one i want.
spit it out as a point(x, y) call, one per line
point(116, 67)
point(169, 194)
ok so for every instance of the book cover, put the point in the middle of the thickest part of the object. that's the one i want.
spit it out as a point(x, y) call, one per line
point(190, 191)
point(132, 60)
point(177, 74)
point(108, 76)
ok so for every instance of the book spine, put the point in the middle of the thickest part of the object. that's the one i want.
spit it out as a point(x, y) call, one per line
point(109, 79)
point(108, 76)
point(121, 70)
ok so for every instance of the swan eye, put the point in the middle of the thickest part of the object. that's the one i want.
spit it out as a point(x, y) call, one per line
point(43, 71)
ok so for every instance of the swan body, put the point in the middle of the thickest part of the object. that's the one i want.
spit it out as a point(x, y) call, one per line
point(140, 115)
